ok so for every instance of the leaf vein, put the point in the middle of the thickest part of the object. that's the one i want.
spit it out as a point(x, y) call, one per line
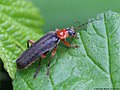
point(97, 31)
point(91, 57)
point(26, 83)
point(52, 83)
point(108, 45)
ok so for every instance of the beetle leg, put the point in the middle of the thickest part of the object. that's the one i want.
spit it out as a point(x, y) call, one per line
point(43, 55)
point(52, 54)
point(69, 45)
point(30, 42)
point(38, 68)
point(66, 43)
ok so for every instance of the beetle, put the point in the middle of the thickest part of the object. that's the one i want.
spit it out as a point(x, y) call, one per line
point(45, 44)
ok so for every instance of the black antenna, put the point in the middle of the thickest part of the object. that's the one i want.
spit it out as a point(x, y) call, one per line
point(84, 24)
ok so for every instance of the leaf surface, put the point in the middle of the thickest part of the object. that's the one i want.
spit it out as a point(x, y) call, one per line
point(95, 64)
point(19, 22)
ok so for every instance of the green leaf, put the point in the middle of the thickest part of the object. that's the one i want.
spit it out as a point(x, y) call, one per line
point(95, 64)
point(19, 22)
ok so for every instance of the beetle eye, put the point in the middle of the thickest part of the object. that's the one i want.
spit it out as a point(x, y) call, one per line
point(74, 33)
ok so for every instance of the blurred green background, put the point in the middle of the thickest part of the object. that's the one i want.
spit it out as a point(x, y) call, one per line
point(63, 13)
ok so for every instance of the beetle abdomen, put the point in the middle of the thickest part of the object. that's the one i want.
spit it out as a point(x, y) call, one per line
point(25, 61)
point(43, 45)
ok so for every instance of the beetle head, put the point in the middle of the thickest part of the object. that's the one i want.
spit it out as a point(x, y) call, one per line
point(71, 32)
